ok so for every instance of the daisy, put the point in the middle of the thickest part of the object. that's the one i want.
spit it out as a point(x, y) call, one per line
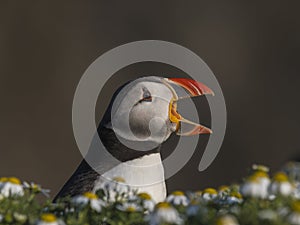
point(147, 201)
point(281, 185)
point(197, 195)
point(283, 211)
point(223, 190)
point(35, 188)
point(209, 194)
point(193, 208)
point(129, 207)
point(260, 168)
point(227, 220)
point(11, 187)
point(234, 197)
point(164, 213)
point(256, 185)
point(89, 198)
point(178, 198)
point(294, 217)
point(49, 219)
point(19, 217)
point(267, 214)
point(296, 192)
point(292, 169)
point(116, 190)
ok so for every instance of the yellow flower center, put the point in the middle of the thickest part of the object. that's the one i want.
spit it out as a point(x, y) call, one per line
point(224, 188)
point(236, 195)
point(144, 196)
point(130, 209)
point(211, 191)
point(296, 206)
point(48, 217)
point(119, 179)
point(260, 174)
point(14, 180)
point(163, 205)
point(3, 179)
point(90, 195)
point(36, 187)
point(178, 193)
point(281, 177)
point(253, 178)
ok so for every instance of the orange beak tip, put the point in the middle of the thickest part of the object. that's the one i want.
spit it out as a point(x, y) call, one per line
point(206, 130)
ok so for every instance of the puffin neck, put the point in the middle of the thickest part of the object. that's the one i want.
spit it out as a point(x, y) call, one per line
point(119, 150)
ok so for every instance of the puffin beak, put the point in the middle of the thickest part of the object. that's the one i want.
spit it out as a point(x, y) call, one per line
point(184, 88)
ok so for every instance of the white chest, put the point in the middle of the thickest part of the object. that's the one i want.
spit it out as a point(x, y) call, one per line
point(145, 174)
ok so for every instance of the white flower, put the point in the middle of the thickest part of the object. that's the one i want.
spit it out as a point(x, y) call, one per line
point(227, 220)
point(164, 213)
point(256, 185)
point(1, 218)
point(89, 198)
point(283, 211)
point(281, 185)
point(294, 217)
point(292, 169)
point(149, 205)
point(178, 198)
point(260, 168)
point(36, 188)
point(129, 207)
point(116, 190)
point(11, 187)
point(267, 214)
point(197, 195)
point(147, 201)
point(234, 197)
point(193, 208)
point(20, 217)
point(49, 219)
point(144, 200)
point(223, 190)
point(227, 196)
point(209, 194)
point(296, 192)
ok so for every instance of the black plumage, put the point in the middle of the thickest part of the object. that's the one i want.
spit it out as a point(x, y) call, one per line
point(84, 178)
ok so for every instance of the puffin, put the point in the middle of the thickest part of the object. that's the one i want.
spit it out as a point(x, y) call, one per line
point(141, 116)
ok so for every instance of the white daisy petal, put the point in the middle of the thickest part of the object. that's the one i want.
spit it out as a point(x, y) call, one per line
point(164, 213)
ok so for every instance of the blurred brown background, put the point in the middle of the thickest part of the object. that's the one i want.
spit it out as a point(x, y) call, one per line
point(45, 46)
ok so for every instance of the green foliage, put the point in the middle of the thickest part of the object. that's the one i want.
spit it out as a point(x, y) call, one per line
point(242, 204)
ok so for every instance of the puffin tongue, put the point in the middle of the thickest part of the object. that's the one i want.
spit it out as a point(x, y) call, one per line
point(184, 88)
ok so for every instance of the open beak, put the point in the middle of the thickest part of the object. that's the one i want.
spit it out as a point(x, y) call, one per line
point(184, 88)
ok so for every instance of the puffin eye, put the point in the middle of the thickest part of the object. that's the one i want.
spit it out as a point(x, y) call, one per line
point(146, 96)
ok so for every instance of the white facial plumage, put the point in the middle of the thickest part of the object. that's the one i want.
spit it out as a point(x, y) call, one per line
point(140, 112)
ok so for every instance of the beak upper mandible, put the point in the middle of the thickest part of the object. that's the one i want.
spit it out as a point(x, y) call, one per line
point(192, 87)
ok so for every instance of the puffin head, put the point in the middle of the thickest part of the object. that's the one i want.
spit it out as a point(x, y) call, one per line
point(145, 110)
